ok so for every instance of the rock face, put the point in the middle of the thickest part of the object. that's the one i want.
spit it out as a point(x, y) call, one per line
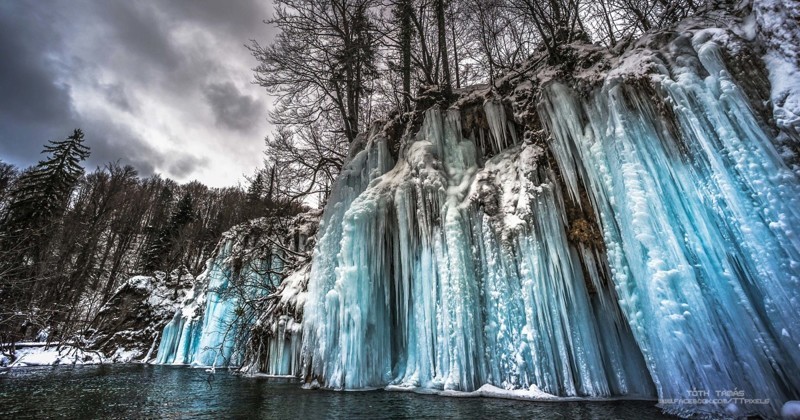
point(129, 325)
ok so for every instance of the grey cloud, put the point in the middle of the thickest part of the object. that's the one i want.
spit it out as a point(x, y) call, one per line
point(127, 55)
point(116, 94)
point(34, 105)
point(139, 30)
point(231, 107)
point(239, 18)
point(110, 142)
point(182, 166)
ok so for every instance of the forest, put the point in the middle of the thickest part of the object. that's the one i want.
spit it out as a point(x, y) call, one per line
point(69, 237)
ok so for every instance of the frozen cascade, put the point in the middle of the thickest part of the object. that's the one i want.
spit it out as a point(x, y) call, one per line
point(205, 331)
point(699, 220)
point(443, 275)
point(462, 265)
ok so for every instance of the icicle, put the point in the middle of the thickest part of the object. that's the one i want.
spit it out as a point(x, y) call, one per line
point(429, 290)
point(699, 228)
point(496, 118)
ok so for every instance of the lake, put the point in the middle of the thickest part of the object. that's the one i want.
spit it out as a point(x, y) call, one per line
point(146, 391)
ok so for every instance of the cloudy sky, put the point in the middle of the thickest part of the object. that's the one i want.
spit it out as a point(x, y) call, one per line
point(163, 85)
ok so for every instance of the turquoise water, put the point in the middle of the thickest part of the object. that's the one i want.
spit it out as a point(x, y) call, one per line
point(143, 391)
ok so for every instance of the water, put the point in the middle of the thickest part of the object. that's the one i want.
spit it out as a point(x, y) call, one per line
point(143, 391)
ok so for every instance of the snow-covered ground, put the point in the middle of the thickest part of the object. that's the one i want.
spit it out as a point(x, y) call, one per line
point(37, 354)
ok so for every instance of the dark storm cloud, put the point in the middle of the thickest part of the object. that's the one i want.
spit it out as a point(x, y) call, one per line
point(231, 107)
point(183, 165)
point(75, 63)
point(237, 18)
point(34, 103)
point(110, 143)
point(140, 30)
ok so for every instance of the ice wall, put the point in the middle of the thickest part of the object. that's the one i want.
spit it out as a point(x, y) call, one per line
point(276, 338)
point(699, 215)
point(443, 275)
point(448, 271)
point(212, 328)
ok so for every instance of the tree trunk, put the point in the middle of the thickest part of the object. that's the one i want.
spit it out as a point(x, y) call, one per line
point(447, 84)
point(455, 51)
point(405, 51)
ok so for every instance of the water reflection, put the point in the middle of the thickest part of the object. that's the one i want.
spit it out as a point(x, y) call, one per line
point(141, 391)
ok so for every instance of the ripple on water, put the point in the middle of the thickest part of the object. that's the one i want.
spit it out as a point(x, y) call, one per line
point(143, 391)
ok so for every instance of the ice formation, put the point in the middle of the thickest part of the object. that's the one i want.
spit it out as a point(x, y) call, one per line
point(212, 329)
point(449, 272)
point(202, 332)
point(443, 275)
point(628, 234)
point(699, 221)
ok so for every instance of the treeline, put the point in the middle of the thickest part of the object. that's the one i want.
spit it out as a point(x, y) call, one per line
point(338, 65)
point(69, 238)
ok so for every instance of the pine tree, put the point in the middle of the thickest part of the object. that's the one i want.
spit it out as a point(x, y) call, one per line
point(157, 242)
point(256, 189)
point(183, 215)
point(42, 194)
point(162, 243)
point(35, 209)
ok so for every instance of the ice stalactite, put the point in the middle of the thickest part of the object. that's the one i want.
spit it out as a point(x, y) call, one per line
point(212, 327)
point(699, 216)
point(202, 333)
point(443, 275)
point(329, 278)
point(277, 337)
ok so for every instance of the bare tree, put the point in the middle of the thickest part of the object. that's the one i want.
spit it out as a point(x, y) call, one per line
point(320, 64)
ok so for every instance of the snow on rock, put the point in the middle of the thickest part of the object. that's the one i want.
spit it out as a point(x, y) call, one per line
point(129, 325)
point(56, 355)
point(532, 394)
point(779, 29)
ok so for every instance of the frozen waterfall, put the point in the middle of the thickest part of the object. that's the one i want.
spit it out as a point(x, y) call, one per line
point(700, 222)
point(206, 331)
point(634, 239)
point(440, 274)
point(449, 271)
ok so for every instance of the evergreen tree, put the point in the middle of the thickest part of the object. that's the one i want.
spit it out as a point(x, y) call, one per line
point(36, 205)
point(164, 240)
point(156, 244)
point(256, 189)
point(184, 213)
point(39, 198)
point(42, 194)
